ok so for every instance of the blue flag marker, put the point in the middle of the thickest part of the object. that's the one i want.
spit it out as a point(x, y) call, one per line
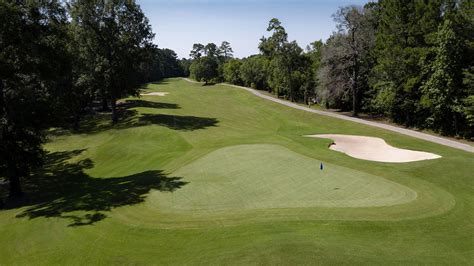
point(321, 166)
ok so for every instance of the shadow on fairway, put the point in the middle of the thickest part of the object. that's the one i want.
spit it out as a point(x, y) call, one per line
point(147, 104)
point(129, 117)
point(185, 123)
point(63, 190)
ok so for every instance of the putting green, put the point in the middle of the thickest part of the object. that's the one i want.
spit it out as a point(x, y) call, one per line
point(262, 176)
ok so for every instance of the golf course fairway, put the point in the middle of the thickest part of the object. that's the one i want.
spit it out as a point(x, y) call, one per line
point(204, 175)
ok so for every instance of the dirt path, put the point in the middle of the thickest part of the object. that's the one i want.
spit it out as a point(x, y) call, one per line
point(404, 131)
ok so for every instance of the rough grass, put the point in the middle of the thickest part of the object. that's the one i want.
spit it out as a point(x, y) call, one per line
point(158, 189)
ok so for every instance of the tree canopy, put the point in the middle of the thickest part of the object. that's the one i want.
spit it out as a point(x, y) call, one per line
point(205, 69)
point(209, 67)
point(115, 34)
point(57, 60)
point(31, 52)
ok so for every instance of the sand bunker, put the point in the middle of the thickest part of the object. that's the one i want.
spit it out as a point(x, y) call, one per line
point(373, 149)
point(155, 94)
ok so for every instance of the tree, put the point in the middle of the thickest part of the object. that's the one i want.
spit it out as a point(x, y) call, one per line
point(205, 69)
point(286, 59)
point(79, 85)
point(284, 67)
point(405, 34)
point(353, 22)
point(185, 65)
point(162, 63)
point(31, 43)
point(469, 113)
point(253, 72)
point(313, 52)
point(443, 91)
point(463, 24)
point(197, 51)
point(211, 50)
point(225, 50)
point(115, 34)
point(232, 71)
point(334, 72)
point(219, 56)
point(273, 45)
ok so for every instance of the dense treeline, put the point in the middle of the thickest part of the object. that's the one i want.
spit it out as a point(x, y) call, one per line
point(62, 59)
point(411, 61)
point(207, 61)
point(162, 63)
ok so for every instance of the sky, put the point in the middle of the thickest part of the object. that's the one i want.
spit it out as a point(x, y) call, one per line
point(178, 24)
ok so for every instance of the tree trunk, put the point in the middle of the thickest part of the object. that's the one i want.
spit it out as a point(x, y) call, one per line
point(14, 178)
point(113, 104)
point(355, 92)
point(456, 127)
point(408, 119)
point(12, 170)
point(289, 69)
point(3, 103)
point(105, 106)
point(354, 103)
point(1, 96)
point(76, 122)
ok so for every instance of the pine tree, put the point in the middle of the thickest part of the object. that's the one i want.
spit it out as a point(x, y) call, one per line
point(404, 41)
point(442, 93)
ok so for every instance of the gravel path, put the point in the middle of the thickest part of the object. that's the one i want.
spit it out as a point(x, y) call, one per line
point(404, 131)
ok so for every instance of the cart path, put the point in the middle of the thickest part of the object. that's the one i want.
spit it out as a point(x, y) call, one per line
point(404, 131)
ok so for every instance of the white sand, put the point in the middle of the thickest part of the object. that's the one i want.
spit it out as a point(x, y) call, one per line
point(155, 94)
point(373, 149)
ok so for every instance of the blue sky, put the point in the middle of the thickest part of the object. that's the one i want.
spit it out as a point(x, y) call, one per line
point(180, 23)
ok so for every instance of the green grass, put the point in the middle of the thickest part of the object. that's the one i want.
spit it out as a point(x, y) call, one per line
point(262, 176)
point(215, 175)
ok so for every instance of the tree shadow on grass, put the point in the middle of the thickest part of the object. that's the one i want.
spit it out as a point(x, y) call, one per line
point(128, 104)
point(185, 123)
point(62, 189)
point(129, 117)
point(102, 121)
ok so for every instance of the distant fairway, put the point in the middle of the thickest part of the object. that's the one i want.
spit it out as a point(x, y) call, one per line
point(214, 175)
